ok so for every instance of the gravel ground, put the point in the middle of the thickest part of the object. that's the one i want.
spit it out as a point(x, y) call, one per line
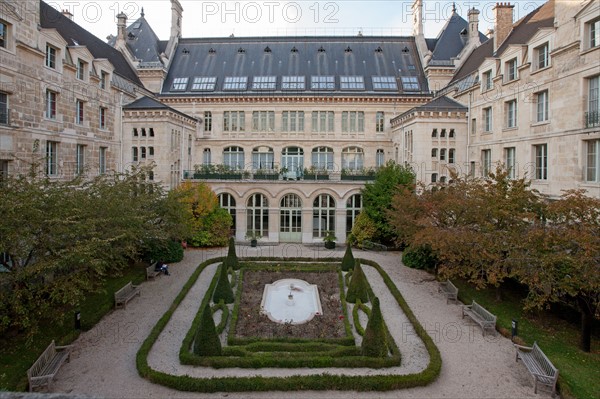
point(103, 360)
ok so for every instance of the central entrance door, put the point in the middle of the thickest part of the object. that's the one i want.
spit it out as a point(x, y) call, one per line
point(290, 219)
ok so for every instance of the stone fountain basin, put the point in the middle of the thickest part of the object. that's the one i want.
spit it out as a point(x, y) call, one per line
point(301, 308)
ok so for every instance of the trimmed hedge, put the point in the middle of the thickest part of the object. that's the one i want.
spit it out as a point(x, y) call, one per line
point(231, 261)
point(358, 287)
point(224, 315)
point(374, 341)
point(355, 317)
point(207, 342)
point(348, 259)
point(223, 291)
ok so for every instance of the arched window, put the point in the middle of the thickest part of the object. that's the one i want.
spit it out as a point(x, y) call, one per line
point(227, 202)
point(323, 215)
point(263, 158)
point(353, 208)
point(322, 158)
point(258, 215)
point(233, 157)
point(352, 158)
point(292, 159)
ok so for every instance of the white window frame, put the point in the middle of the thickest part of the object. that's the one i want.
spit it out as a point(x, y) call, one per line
point(353, 122)
point(292, 121)
point(51, 158)
point(510, 107)
point(234, 121)
point(486, 162)
point(323, 122)
point(102, 114)
point(325, 82)
point(79, 111)
point(488, 121)
point(510, 162)
point(542, 105)
point(511, 71)
point(51, 56)
point(541, 161)
point(263, 121)
point(380, 122)
point(592, 161)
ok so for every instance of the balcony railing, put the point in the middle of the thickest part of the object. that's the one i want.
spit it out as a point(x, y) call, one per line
point(592, 119)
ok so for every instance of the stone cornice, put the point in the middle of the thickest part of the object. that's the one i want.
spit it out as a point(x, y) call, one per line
point(157, 113)
point(296, 99)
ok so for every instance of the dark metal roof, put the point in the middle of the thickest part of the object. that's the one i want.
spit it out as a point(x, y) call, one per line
point(296, 56)
point(474, 61)
point(142, 42)
point(450, 42)
point(75, 35)
point(147, 103)
point(440, 104)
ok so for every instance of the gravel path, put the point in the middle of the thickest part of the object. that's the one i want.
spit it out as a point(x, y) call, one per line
point(103, 361)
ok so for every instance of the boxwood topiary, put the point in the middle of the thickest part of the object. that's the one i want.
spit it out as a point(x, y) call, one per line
point(358, 287)
point(348, 260)
point(231, 261)
point(223, 291)
point(207, 342)
point(374, 341)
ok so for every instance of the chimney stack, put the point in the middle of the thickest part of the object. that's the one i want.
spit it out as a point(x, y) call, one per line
point(474, 26)
point(503, 23)
point(67, 14)
point(121, 29)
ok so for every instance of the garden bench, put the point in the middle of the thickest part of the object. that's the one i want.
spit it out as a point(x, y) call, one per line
point(125, 294)
point(480, 316)
point(46, 366)
point(151, 271)
point(538, 365)
point(449, 290)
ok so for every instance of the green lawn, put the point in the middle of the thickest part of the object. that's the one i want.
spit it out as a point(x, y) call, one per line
point(579, 372)
point(16, 356)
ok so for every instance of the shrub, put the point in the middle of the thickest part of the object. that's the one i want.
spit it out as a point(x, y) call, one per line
point(207, 342)
point(231, 261)
point(358, 287)
point(374, 341)
point(420, 257)
point(364, 229)
point(348, 260)
point(223, 291)
point(168, 251)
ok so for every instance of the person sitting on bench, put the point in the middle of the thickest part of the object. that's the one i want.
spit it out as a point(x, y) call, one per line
point(162, 267)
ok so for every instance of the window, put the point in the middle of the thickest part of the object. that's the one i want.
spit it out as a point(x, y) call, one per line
point(264, 83)
point(443, 133)
point(292, 121)
point(227, 202)
point(179, 84)
point(292, 83)
point(353, 121)
point(103, 117)
point(352, 158)
point(486, 162)
point(542, 55)
point(3, 34)
point(150, 152)
point(511, 70)
point(204, 83)
point(134, 154)
point(263, 121)
point(143, 153)
point(379, 158)
point(79, 116)
point(379, 122)
point(451, 133)
point(323, 215)
point(50, 56)
point(235, 83)
point(541, 162)
point(81, 67)
point(102, 160)
point(434, 133)
point(151, 132)
point(442, 154)
point(4, 108)
point(322, 158)
point(263, 158)
point(542, 106)
point(592, 118)
point(352, 83)
point(434, 153)
point(3, 169)
point(353, 208)
point(434, 177)
point(258, 215)
point(103, 80)
point(292, 158)
point(206, 157)
point(384, 83)
point(474, 126)
point(322, 121)
point(135, 132)
point(80, 159)
point(510, 161)
point(207, 121)
point(594, 33)
point(233, 157)
point(410, 83)
point(510, 107)
point(488, 84)
point(487, 119)
point(143, 132)
point(50, 104)
point(322, 83)
point(51, 158)
point(451, 155)
point(592, 167)
point(234, 121)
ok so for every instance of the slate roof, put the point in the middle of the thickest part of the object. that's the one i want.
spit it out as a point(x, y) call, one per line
point(148, 103)
point(142, 42)
point(442, 103)
point(75, 35)
point(450, 42)
point(393, 57)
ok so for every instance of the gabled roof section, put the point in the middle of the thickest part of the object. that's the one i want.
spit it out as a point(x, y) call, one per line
point(452, 38)
point(474, 60)
point(75, 35)
point(439, 104)
point(142, 42)
point(148, 103)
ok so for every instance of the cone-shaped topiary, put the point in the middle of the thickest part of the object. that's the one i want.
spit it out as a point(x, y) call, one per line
point(207, 342)
point(348, 260)
point(358, 287)
point(374, 340)
point(231, 261)
point(223, 289)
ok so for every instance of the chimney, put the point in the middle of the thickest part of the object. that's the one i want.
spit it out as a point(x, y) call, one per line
point(121, 29)
point(474, 26)
point(489, 33)
point(176, 12)
point(417, 10)
point(67, 14)
point(503, 23)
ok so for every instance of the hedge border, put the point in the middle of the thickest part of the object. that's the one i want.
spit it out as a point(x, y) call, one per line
point(293, 383)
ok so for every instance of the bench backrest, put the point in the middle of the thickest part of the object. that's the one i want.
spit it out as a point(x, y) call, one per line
point(44, 358)
point(125, 290)
point(477, 308)
point(543, 361)
point(450, 287)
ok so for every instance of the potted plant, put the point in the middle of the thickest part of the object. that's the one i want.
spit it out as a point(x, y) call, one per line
point(253, 236)
point(329, 240)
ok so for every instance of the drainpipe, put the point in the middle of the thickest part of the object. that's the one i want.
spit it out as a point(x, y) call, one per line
point(469, 118)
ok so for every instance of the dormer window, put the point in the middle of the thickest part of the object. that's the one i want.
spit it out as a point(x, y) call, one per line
point(185, 51)
point(294, 49)
point(511, 70)
point(405, 50)
point(130, 36)
point(267, 49)
point(542, 56)
point(348, 50)
point(241, 50)
point(212, 51)
point(379, 50)
point(51, 56)
point(103, 80)
point(321, 49)
point(487, 81)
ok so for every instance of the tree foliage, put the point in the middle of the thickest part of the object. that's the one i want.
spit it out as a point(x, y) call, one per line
point(374, 341)
point(363, 230)
point(207, 342)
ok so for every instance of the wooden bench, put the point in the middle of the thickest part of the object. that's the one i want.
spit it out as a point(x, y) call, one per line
point(151, 271)
point(538, 365)
point(125, 294)
point(46, 366)
point(480, 316)
point(449, 290)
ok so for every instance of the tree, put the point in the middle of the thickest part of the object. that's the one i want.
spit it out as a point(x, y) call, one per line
point(363, 230)
point(223, 289)
point(374, 341)
point(561, 259)
point(358, 287)
point(207, 342)
point(348, 259)
point(377, 197)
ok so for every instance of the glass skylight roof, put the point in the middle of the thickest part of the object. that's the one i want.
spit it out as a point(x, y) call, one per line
point(179, 84)
point(352, 83)
point(322, 83)
point(204, 83)
point(264, 83)
point(384, 83)
point(235, 83)
point(292, 83)
point(410, 83)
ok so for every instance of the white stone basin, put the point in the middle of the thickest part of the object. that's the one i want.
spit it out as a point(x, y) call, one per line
point(299, 309)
